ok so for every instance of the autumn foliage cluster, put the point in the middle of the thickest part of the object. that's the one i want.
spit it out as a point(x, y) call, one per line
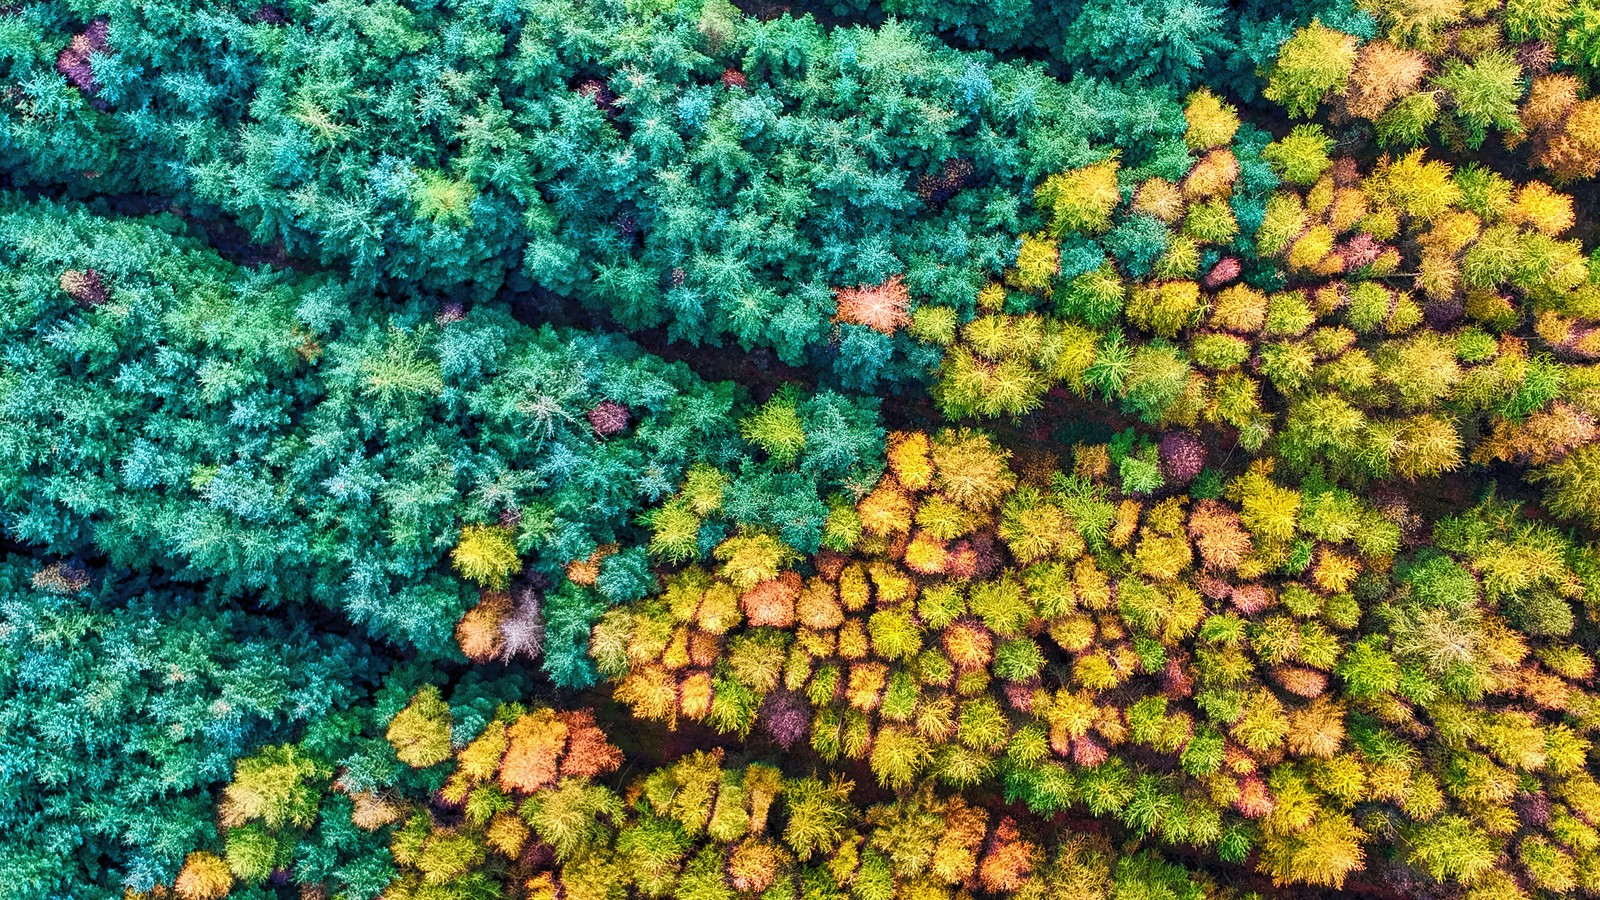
point(530, 809)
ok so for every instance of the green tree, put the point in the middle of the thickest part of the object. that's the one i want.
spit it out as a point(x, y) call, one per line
point(420, 733)
point(1315, 62)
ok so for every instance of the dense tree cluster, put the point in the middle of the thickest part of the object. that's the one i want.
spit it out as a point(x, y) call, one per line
point(682, 167)
point(527, 808)
point(1160, 42)
point(266, 435)
point(1457, 72)
point(862, 450)
point(1403, 321)
point(1249, 665)
point(126, 698)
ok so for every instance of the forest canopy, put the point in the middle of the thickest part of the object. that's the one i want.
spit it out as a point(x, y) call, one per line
point(849, 450)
